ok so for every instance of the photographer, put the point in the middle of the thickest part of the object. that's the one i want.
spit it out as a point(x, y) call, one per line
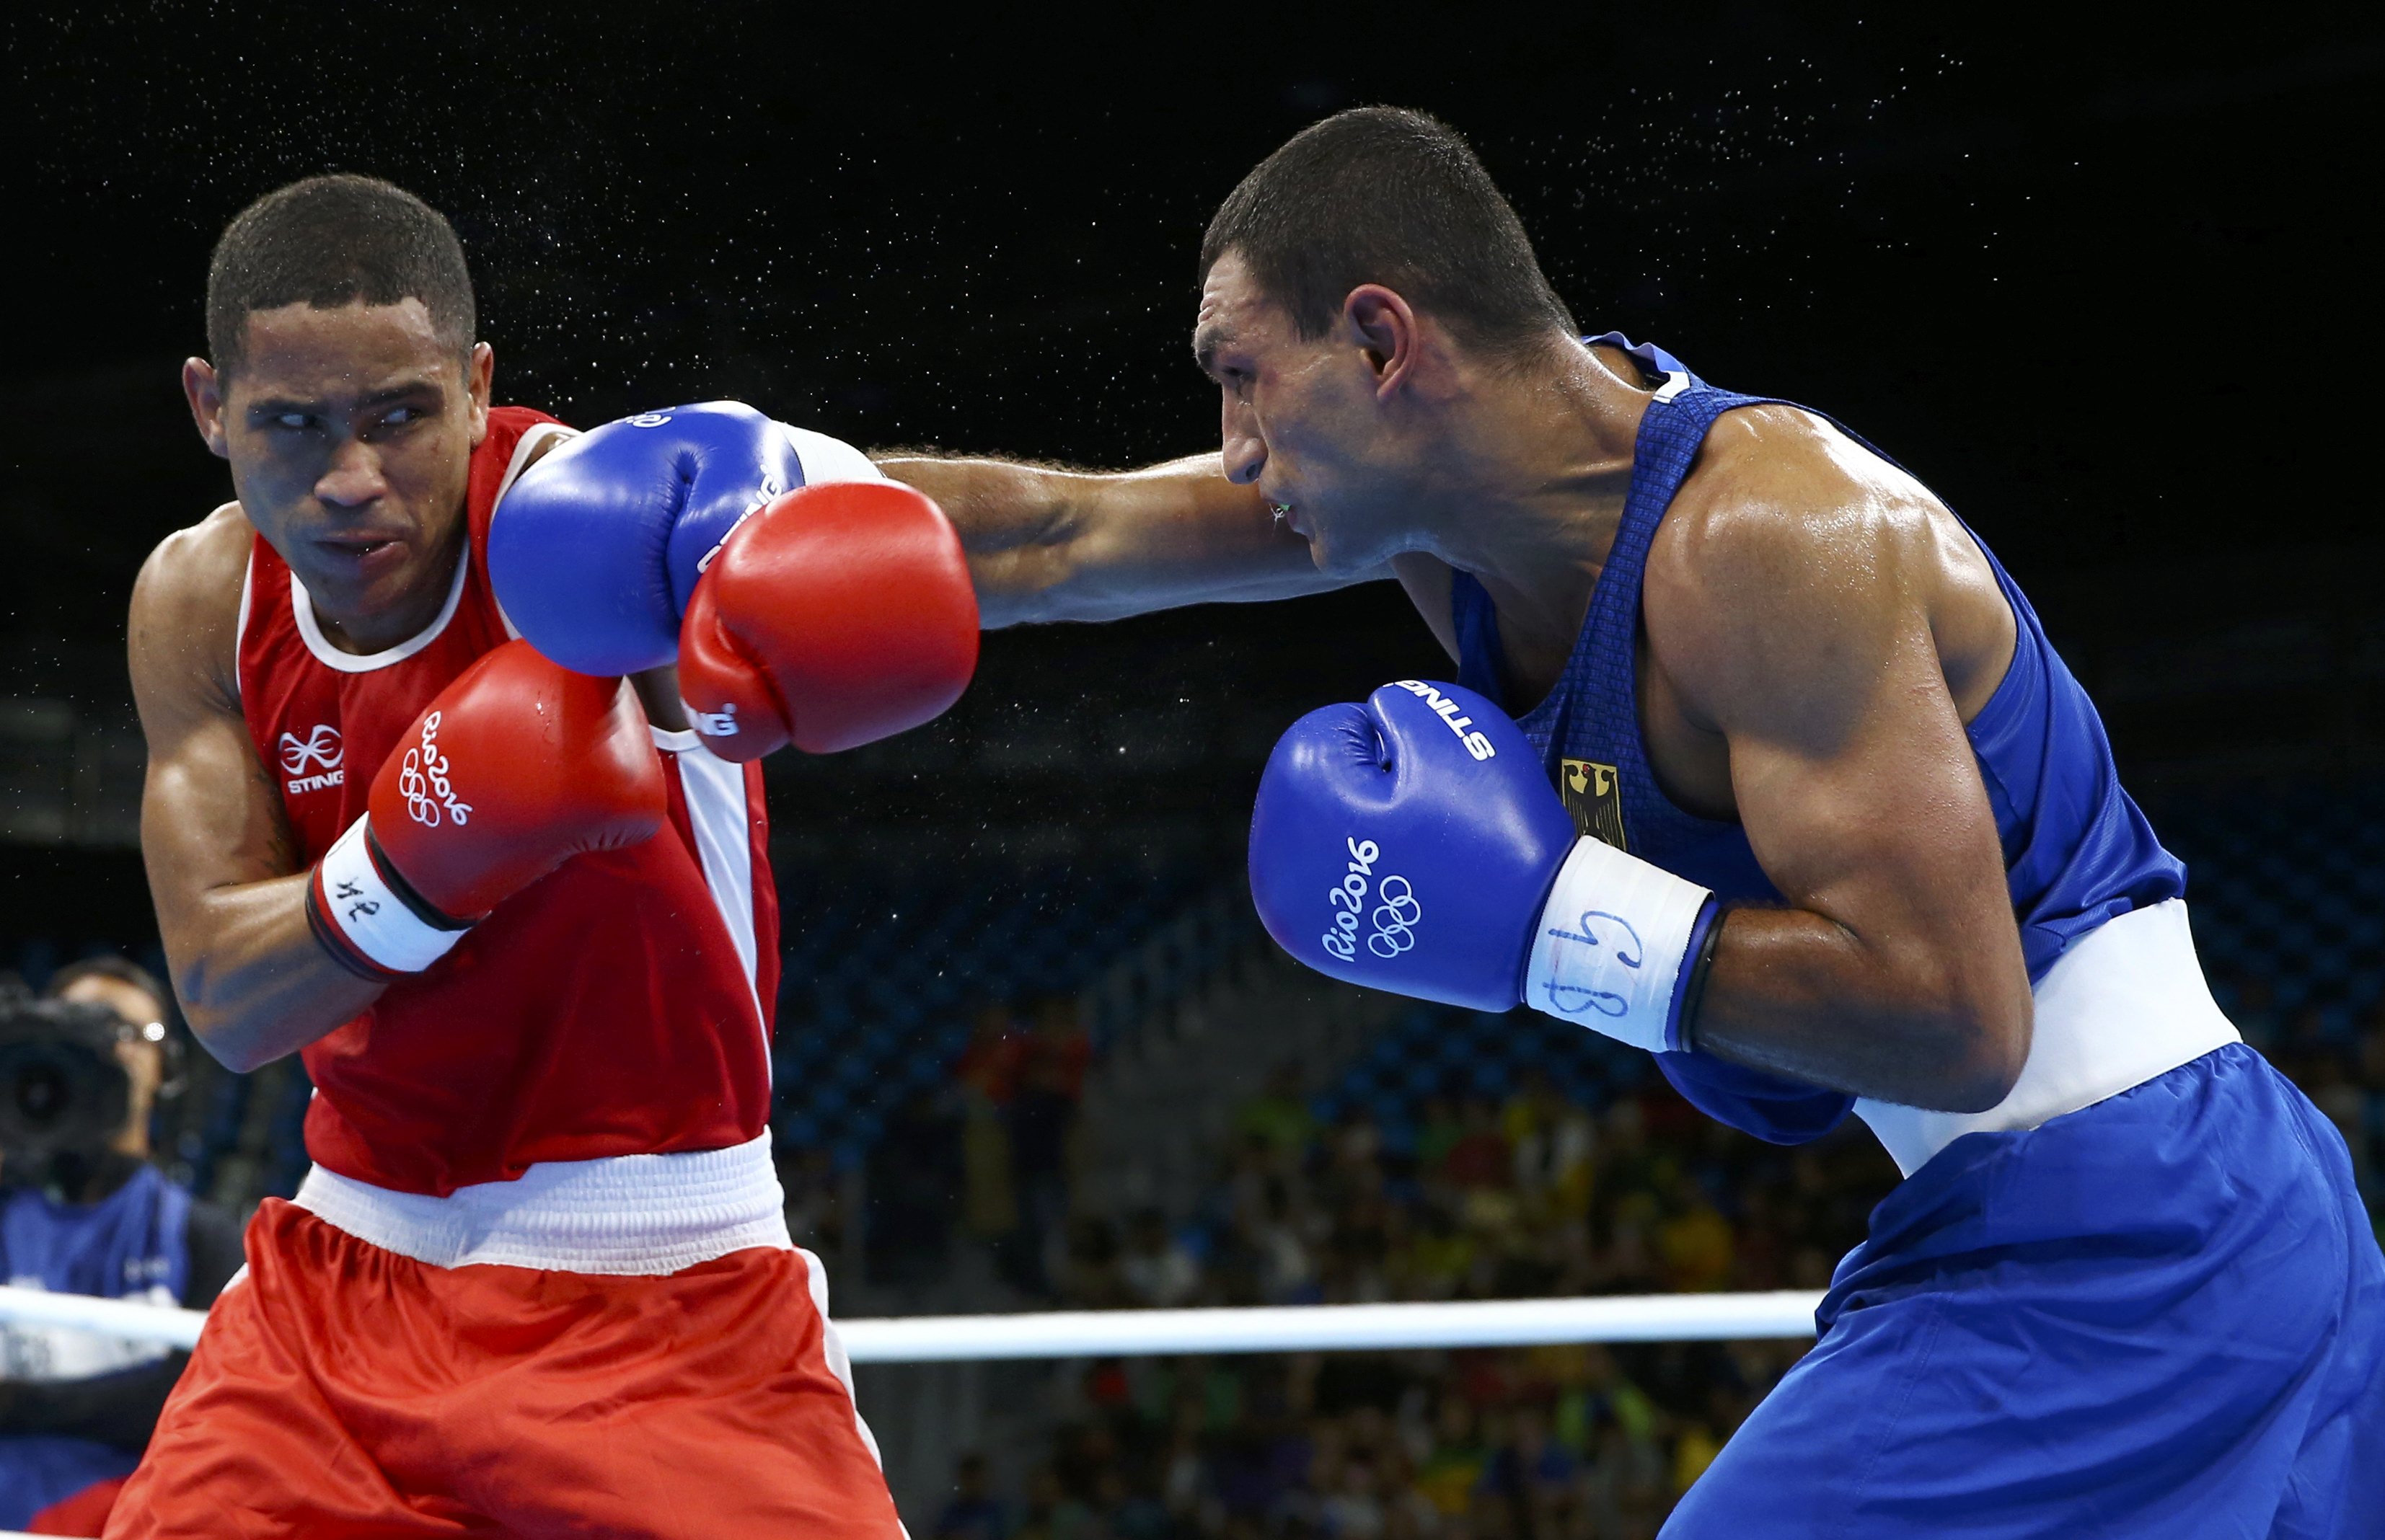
point(83, 1211)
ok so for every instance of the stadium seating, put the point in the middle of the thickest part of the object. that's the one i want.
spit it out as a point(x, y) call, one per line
point(881, 981)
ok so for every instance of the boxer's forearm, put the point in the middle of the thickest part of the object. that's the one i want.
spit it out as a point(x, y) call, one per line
point(1046, 543)
point(254, 981)
point(1893, 1017)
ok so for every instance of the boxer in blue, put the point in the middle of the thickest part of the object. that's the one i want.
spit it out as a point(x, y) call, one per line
point(1756, 759)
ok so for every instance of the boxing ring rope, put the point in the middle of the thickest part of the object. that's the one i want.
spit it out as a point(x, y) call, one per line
point(1104, 1333)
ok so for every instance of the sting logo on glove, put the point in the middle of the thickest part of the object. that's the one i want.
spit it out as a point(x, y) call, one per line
point(1453, 716)
point(713, 724)
point(772, 490)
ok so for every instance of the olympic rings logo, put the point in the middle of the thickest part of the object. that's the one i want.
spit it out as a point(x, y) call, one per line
point(1394, 916)
point(423, 780)
point(1394, 919)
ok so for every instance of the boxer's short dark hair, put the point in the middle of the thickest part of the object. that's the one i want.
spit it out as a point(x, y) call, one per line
point(1391, 196)
point(331, 241)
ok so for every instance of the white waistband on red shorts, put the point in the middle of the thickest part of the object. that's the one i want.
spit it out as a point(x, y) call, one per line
point(623, 1214)
point(2125, 1004)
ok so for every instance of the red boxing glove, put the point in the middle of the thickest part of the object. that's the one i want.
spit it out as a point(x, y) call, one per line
point(517, 767)
point(840, 615)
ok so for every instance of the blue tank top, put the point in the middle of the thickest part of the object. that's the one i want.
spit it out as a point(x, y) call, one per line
point(134, 1243)
point(2077, 849)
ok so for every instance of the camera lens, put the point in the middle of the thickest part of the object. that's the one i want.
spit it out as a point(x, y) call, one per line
point(62, 1089)
point(41, 1094)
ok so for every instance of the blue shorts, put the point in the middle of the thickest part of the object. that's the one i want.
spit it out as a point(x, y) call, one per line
point(2163, 1315)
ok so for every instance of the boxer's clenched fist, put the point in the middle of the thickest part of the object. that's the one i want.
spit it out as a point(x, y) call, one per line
point(837, 615)
point(594, 549)
point(516, 767)
point(1415, 844)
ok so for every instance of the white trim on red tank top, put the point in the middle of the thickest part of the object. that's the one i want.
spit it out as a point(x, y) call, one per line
point(720, 820)
point(532, 436)
point(239, 627)
point(302, 611)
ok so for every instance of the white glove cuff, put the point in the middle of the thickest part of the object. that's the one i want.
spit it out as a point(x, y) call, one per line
point(1611, 945)
point(364, 919)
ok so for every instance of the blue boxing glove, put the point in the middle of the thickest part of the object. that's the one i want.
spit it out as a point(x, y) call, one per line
point(594, 549)
point(1415, 844)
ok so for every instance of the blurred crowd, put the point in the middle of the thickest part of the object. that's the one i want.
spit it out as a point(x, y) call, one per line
point(1532, 1196)
point(1478, 1199)
point(1536, 1195)
point(1544, 1441)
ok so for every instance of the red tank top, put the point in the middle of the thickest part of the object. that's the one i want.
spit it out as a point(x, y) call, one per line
point(618, 1006)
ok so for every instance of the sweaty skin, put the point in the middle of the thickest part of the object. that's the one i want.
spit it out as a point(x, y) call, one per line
point(1818, 630)
point(350, 433)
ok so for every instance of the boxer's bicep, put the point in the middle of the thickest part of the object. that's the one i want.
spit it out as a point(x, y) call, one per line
point(209, 809)
point(1807, 648)
point(223, 865)
point(1859, 795)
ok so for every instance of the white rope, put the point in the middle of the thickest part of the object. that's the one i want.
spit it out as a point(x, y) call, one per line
point(1308, 1328)
point(1098, 1334)
point(120, 1319)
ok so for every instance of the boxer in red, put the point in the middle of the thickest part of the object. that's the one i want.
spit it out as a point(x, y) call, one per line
point(518, 922)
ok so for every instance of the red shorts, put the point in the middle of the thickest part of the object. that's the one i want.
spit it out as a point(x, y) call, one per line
point(346, 1390)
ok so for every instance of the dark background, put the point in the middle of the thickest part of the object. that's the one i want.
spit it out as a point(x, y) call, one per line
point(2107, 285)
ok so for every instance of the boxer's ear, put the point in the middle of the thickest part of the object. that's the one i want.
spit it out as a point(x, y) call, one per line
point(480, 376)
point(203, 388)
point(1382, 324)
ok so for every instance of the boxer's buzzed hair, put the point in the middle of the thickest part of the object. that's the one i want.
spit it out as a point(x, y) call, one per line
point(331, 241)
point(1391, 196)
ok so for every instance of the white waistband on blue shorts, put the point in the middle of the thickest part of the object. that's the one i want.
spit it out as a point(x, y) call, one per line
point(2125, 1004)
point(623, 1214)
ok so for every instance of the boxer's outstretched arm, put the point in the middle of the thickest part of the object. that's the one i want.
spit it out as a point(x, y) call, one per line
point(1050, 543)
point(230, 892)
point(1797, 623)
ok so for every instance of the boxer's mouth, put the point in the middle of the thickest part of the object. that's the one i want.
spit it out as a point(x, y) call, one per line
point(364, 554)
point(358, 544)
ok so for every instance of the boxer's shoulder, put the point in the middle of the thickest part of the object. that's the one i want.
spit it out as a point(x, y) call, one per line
point(1774, 474)
point(195, 569)
point(186, 619)
point(1788, 544)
